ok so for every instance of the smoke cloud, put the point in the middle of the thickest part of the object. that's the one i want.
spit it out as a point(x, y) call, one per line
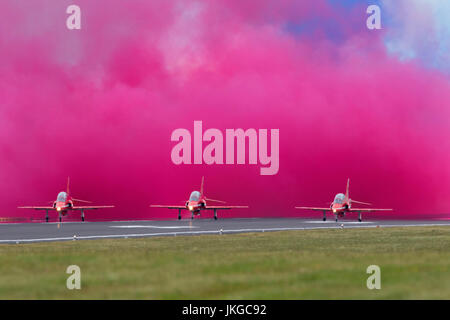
point(100, 104)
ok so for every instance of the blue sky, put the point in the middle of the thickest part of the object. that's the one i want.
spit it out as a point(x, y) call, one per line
point(414, 29)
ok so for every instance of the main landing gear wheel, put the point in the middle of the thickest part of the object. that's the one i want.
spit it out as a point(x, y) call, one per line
point(324, 219)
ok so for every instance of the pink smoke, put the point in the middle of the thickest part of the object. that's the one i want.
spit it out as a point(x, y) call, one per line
point(99, 105)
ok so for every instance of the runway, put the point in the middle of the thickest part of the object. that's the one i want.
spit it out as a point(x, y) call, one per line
point(41, 232)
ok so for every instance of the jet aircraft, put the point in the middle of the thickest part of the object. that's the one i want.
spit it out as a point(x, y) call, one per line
point(197, 203)
point(342, 204)
point(64, 204)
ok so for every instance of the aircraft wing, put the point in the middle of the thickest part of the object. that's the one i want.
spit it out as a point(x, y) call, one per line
point(90, 207)
point(37, 208)
point(167, 207)
point(314, 208)
point(224, 207)
point(368, 209)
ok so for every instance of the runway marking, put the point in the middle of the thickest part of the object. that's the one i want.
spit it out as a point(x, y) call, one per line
point(340, 221)
point(134, 235)
point(155, 227)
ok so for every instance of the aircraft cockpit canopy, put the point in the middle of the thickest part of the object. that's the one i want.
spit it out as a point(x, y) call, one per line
point(195, 196)
point(62, 197)
point(339, 198)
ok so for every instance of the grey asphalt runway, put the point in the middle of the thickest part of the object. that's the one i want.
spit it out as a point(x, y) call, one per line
point(40, 232)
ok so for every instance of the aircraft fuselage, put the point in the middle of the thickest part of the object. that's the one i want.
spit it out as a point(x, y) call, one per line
point(63, 203)
point(195, 206)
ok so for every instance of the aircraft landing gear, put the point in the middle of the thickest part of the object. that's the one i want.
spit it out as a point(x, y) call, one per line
point(359, 217)
point(82, 215)
point(192, 216)
point(46, 215)
point(60, 218)
point(215, 214)
point(324, 216)
point(179, 214)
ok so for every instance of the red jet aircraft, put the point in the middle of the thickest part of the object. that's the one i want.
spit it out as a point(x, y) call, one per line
point(64, 204)
point(342, 204)
point(197, 202)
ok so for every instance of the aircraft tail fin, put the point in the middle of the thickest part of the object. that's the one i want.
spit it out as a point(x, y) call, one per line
point(347, 195)
point(201, 187)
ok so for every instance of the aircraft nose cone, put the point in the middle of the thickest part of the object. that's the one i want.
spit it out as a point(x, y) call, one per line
point(192, 205)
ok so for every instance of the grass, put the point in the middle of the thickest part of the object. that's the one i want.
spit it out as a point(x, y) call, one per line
point(309, 264)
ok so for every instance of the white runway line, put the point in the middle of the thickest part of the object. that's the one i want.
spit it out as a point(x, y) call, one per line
point(160, 234)
point(134, 235)
point(339, 221)
point(155, 227)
